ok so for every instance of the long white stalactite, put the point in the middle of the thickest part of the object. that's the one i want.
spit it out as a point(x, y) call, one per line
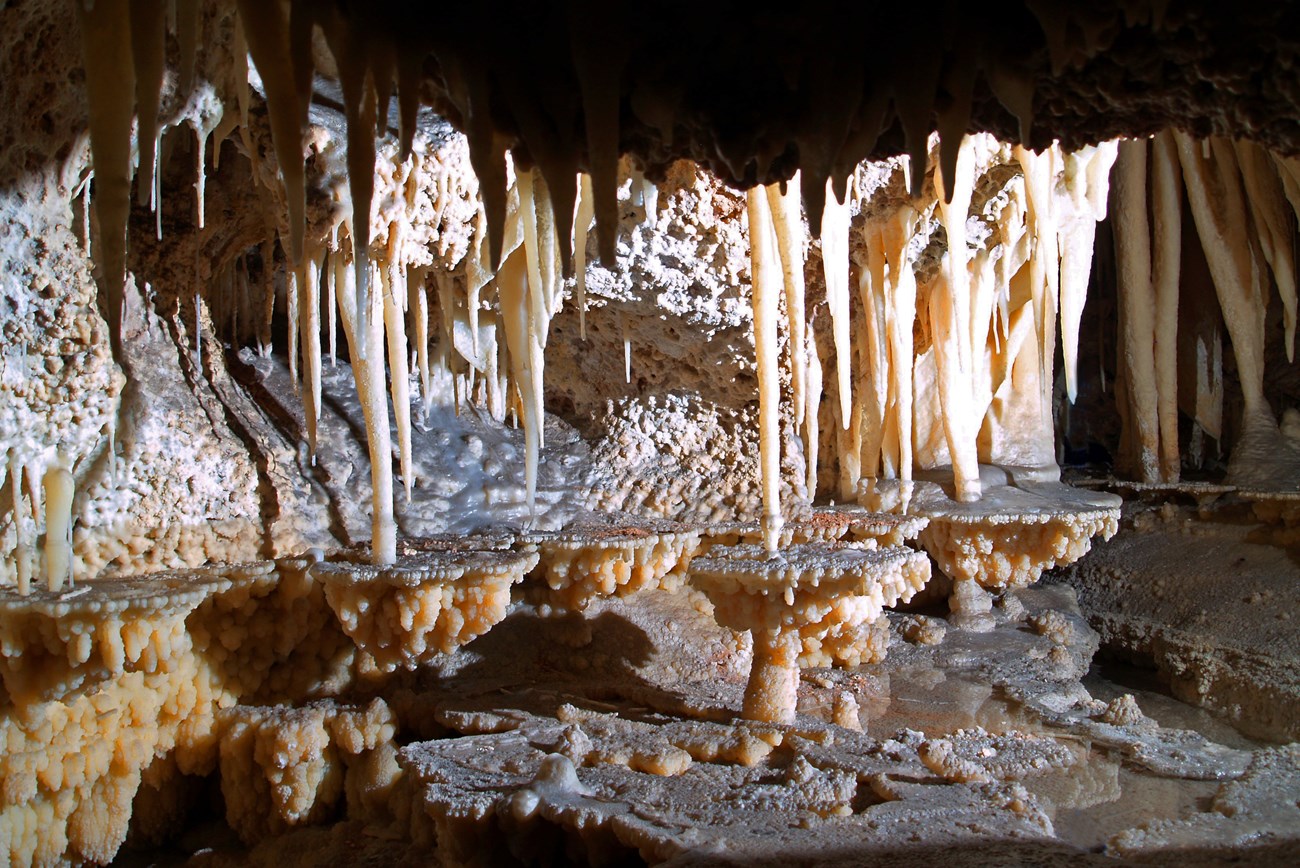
point(984, 335)
point(1217, 205)
point(1166, 270)
point(835, 266)
point(368, 375)
point(767, 284)
point(1138, 303)
point(951, 325)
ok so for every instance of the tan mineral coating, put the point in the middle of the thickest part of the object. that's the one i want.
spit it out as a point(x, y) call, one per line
point(428, 603)
point(120, 693)
point(804, 605)
point(1015, 533)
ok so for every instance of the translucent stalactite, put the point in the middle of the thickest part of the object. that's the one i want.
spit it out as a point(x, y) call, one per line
point(369, 377)
point(835, 262)
point(767, 285)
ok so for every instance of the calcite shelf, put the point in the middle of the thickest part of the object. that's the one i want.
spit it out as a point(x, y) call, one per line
point(725, 408)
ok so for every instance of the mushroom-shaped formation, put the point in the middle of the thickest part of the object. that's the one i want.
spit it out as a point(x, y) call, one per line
point(823, 524)
point(1008, 537)
point(804, 604)
point(403, 614)
point(481, 541)
point(590, 560)
point(1274, 507)
point(52, 642)
point(855, 523)
point(1198, 493)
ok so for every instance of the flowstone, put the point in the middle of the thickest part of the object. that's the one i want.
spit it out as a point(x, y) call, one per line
point(614, 736)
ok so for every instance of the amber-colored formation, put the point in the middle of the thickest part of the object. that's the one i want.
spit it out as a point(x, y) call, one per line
point(803, 605)
point(947, 272)
point(427, 603)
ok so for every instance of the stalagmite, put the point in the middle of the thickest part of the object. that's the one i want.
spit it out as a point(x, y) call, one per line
point(950, 322)
point(650, 199)
point(581, 227)
point(59, 489)
point(22, 537)
point(1167, 226)
point(835, 262)
point(1137, 300)
point(110, 87)
point(766, 283)
point(369, 377)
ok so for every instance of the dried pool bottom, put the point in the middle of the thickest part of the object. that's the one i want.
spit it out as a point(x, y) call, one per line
point(613, 737)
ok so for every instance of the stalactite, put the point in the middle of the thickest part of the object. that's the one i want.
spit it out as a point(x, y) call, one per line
point(790, 237)
point(188, 21)
point(309, 326)
point(267, 34)
point(148, 35)
point(1167, 226)
point(419, 305)
point(580, 230)
point(368, 375)
point(627, 349)
point(950, 322)
point(360, 109)
point(110, 86)
point(512, 285)
point(811, 421)
point(1137, 320)
point(200, 174)
point(264, 335)
point(767, 284)
point(1266, 198)
point(331, 292)
point(292, 307)
point(1216, 202)
point(598, 58)
point(393, 283)
point(835, 262)
point(1086, 174)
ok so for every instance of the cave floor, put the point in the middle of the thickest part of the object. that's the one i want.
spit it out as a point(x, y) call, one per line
point(612, 736)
